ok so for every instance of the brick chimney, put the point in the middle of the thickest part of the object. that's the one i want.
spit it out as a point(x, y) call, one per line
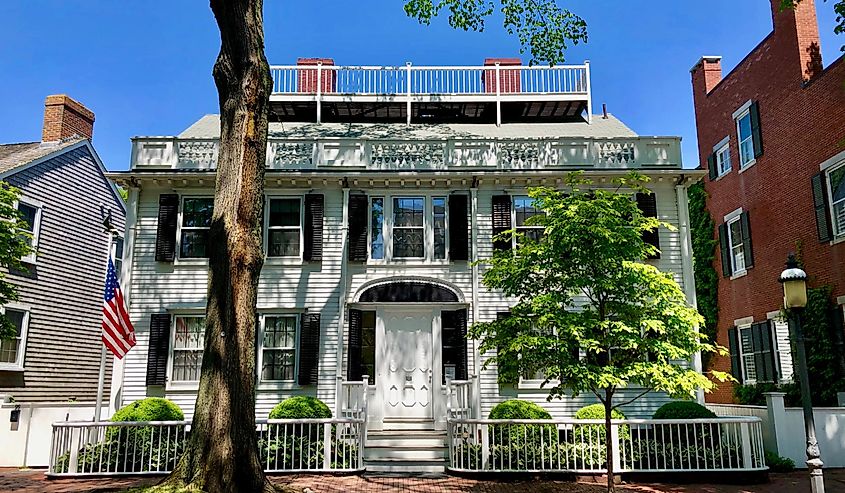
point(799, 27)
point(65, 117)
point(706, 74)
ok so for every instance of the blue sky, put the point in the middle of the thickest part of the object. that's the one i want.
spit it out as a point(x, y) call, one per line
point(144, 68)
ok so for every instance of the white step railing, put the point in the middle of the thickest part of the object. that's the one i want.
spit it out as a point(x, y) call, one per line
point(412, 80)
point(460, 399)
point(154, 447)
point(352, 398)
point(578, 446)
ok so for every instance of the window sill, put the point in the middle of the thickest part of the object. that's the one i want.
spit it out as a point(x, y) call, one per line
point(726, 173)
point(838, 239)
point(747, 165)
point(739, 274)
point(191, 262)
point(11, 368)
point(408, 263)
point(182, 387)
point(263, 386)
point(271, 261)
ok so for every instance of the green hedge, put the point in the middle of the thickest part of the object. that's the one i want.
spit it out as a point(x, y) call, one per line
point(301, 407)
point(683, 410)
point(517, 409)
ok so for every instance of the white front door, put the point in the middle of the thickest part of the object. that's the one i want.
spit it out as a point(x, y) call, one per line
point(405, 362)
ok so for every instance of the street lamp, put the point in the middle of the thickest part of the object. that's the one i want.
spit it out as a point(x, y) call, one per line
point(794, 281)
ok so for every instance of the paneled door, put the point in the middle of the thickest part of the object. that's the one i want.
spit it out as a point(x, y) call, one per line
point(405, 362)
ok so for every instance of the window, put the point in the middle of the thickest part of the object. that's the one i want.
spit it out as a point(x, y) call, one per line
point(196, 221)
point(368, 346)
point(12, 350)
point(755, 353)
point(377, 228)
point(188, 343)
point(438, 205)
point(746, 139)
point(723, 158)
point(737, 248)
point(117, 245)
point(284, 227)
point(30, 218)
point(749, 367)
point(836, 179)
point(408, 227)
point(524, 209)
point(278, 348)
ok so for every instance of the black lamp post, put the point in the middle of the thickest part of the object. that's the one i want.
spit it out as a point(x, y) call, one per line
point(794, 281)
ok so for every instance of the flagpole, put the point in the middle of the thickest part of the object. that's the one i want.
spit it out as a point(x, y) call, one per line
point(100, 383)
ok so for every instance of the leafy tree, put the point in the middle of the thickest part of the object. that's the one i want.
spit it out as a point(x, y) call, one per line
point(838, 7)
point(589, 314)
point(14, 245)
point(702, 229)
point(222, 453)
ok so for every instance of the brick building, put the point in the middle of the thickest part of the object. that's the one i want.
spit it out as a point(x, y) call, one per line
point(772, 135)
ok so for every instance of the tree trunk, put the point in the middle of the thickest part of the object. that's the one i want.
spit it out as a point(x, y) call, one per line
point(222, 453)
point(608, 442)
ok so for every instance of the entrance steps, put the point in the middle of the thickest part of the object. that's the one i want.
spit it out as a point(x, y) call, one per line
point(417, 448)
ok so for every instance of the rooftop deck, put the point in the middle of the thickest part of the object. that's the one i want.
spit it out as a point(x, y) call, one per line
point(492, 93)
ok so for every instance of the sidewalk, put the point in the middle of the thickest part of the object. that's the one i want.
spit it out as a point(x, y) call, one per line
point(34, 481)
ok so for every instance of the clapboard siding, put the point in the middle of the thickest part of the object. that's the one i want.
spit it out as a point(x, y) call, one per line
point(317, 287)
point(65, 289)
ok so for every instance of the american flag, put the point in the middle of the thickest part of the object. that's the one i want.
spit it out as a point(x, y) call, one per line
point(118, 333)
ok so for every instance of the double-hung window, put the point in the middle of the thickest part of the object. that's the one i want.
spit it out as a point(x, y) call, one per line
point(736, 245)
point(29, 222)
point(755, 352)
point(196, 223)
point(836, 180)
point(746, 344)
point(278, 348)
point(188, 344)
point(12, 350)
point(284, 227)
point(117, 252)
point(723, 158)
point(746, 139)
point(377, 246)
point(408, 228)
point(524, 208)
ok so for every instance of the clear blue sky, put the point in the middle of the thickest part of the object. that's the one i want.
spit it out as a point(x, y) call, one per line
point(144, 67)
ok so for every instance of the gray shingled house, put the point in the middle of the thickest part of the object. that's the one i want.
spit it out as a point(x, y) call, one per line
point(65, 197)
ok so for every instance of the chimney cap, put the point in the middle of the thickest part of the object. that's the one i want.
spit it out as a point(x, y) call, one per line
point(705, 59)
point(65, 100)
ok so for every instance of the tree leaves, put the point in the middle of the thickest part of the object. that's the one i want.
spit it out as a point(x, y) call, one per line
point(14, 245)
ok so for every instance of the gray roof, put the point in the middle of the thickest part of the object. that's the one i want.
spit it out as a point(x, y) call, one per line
point(14, 156)
point(208, 127)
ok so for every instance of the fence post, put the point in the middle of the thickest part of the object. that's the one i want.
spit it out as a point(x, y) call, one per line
point(476, 404)
point(485, 448)
point(498, 96)
point(327, 446)
point(75, 434)
point(338, 396)
point(776, 422)
point(617, 446)
point(365, 404)
point(745, 440)
point(408, 90)
point(319, 91)
point(448, 398)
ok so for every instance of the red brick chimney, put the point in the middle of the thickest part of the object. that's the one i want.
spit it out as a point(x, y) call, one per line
point(706, 74)
point(799, 27)
point(307, 79)
point(65, 117)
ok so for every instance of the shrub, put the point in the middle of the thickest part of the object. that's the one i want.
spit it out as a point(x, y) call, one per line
point(149, 409)
point(520, 440)
point(777, 463)
point(517, 409)
point(754, 395)
point(683, 410)
point(301, 407)
point(590, 439)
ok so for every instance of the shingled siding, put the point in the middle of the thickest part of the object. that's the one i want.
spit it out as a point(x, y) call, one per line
point(64, 290)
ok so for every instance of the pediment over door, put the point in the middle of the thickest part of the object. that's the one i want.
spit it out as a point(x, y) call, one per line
point(408, 292)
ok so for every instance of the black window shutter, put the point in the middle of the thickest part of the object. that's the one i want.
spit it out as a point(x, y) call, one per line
point(501, 220)
point(309, 349)
point(733, 347)
point(647, 202)
point(358, 217)
point(459, 227)
point(313, 248)
point(821, 203)
point(168, 215)
point(712, 172)
point(158, 349)
point(454, 342)
point(507, 366)
point(756, 133)
point(356, 337)
point(764, 362)
point(745, 225)
point(725, 250)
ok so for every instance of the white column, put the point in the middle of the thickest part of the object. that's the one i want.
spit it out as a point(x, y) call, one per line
point(688, 274)
point(341, 319)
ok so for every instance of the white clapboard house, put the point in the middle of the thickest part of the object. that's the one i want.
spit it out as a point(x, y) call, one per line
point(383, 185)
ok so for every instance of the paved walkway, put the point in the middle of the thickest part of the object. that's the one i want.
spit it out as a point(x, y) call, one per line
point(34, 481)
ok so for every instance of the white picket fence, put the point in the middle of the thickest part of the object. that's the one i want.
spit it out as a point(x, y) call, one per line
point(578, 446)
point(140, 448)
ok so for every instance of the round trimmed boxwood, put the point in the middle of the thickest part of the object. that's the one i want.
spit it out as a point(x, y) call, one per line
point(301, 407)
point(144, 439)
point(517, 409)
point(149, 409)
point(683, 410)
point(589, 440)
point(596, 411)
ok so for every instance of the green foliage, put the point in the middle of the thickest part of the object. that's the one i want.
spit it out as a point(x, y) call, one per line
point(754, 395)
point(149, 409)
point(542, 27)
point(777, 463)
point(518, 409)
point(301, 407)
point(683, 410)
point(124, 194)
point(589, 440)
point(14, 245)
point(702, 230)
point(838, 7)
point(823, 363)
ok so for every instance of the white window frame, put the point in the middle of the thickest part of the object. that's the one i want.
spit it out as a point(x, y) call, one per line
point(181, 384)
point(260, 363)
point(180, 228)
point(117, 260)
point(267, 228)
point(730, 219)
point(428, 228)
point(36, 228)
point(18, 365)
point(513, 217)
point(838, 230)
point(722, 151)
point(742, 354)
point(738, 116)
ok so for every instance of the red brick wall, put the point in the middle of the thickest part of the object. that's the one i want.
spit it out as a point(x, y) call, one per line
point(802, 118)
point(65, 117)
